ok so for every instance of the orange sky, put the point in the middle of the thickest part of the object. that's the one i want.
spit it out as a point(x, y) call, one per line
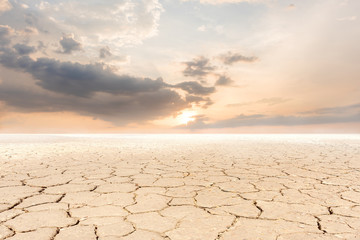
point(146, 67)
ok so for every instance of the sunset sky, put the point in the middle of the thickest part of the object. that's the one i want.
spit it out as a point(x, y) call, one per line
point(180, 66)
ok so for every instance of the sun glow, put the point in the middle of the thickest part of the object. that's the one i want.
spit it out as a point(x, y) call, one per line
point(186, 117)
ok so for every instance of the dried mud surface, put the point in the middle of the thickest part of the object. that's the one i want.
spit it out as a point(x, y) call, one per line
point(179, 187)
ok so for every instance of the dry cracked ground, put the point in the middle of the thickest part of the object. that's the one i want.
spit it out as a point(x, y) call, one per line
point(179, 187)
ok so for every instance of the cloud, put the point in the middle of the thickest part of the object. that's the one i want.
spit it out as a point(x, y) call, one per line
point(94, 90)
point(195, 88)
point(84, 80)
point(5, 6)
point(29, 31)
point(342, 114)
point(230, 58)
point(201, 67)
point(223, 80)
point(6, 34)
point(268, 101)
point(120, 110)
point(264, 120)
point(143, 100)
point(199, 100)
point(41, 46)
point(104, 52)
point(23, 49)
point(77, 79)
point(335, 110)
point(198, 67)
point(111, 23)
point(31, 19)
point(69, 44)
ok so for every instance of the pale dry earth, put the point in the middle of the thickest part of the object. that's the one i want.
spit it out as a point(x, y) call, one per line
point(179, 187)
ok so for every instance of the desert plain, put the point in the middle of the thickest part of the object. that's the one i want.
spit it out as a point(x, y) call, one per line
point(179, 187)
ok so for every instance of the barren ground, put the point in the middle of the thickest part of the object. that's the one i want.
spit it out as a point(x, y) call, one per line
point(179, 187)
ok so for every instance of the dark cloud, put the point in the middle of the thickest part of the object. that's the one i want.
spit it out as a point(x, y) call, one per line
point(229, 58)
point(194, 98)
point(104, 52)
point(23, 49)
point(82, 80)
point(6, 33)
point(224, 80)
point(69, 44)
point(94, 90)
point(120, 110)
point(199, 67)
point(195, 88)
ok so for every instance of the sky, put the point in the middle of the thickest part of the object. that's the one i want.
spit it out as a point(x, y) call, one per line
point(180, 66)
